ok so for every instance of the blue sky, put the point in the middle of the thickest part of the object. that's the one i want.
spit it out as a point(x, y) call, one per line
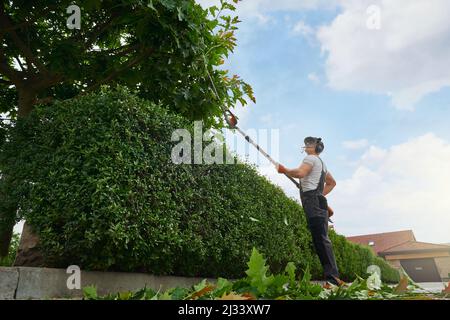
point(277, 63)
point(380, 99)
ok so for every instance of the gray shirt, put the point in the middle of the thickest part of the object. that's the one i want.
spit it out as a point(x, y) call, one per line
point(311, 181)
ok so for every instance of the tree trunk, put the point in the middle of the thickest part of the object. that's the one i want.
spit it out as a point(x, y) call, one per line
point(5, 240)
point(28, 254)
point(8, 217)
point(26, 102)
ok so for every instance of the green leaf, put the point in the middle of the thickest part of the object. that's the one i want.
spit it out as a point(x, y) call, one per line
point(200, 285)
point(257, 270)
point(165, 296)
point(290, 270)
point(90, 292)
point(213, 10)
point(179, 293)
point(125, 295)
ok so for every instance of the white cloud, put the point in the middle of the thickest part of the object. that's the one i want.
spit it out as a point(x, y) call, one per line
point(267, 119)
point(313, 77)
point(407, 58)
point(301, 28)
point(402, 187)
point(355, 144)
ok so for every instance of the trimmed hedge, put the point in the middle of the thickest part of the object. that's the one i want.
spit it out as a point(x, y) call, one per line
point(94, 178)
point(354, 259)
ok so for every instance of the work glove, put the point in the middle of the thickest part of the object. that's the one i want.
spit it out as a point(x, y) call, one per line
point(281, 168)
point(230, 119)
point(330, 212)
point(232, 122)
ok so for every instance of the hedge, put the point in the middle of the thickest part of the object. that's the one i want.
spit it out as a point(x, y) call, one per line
point(94, 178)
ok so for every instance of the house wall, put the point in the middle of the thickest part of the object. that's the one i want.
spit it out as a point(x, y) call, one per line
point(421, 255)
point(395, 263)
point(443, 265)
point(442, 261)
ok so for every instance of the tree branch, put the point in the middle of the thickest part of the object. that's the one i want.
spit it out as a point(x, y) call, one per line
point(27, 53)
point(17, 26)
point(130, 63)
point(44, 100)
point(36, 15)
point(2, 81)
point(98, 30)
point(121, 51)
point(20, 63)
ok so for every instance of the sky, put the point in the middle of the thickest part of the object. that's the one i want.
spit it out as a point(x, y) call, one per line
point(372, 78)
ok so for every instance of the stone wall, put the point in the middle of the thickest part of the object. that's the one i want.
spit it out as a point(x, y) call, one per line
point(49, 283)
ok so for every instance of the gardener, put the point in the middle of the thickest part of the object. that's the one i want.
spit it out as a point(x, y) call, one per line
point(315, 183)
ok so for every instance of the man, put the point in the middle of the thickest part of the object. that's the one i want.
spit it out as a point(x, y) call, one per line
point(315, 183)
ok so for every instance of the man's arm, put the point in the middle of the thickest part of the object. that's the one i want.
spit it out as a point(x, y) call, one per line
point(299, 172)
point(330, 183)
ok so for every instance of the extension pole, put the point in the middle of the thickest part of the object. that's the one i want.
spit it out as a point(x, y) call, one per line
point(265, 154)
point(232, 122)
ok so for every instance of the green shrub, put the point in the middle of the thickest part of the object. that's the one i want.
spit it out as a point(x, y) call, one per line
point(354, 259)
point(94, 178)
point(9, 259)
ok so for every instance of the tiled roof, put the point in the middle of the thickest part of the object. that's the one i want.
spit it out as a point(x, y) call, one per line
point(416, 246)
point(384, 241)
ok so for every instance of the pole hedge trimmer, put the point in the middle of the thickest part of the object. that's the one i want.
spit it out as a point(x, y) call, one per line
point(231, 120)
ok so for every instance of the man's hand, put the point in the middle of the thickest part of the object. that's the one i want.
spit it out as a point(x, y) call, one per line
point(330, 212)
point(281, 168)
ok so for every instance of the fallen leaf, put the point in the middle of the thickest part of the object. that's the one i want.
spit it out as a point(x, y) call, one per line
point(402, 286)
point(249, 296)
point(234, 296)
point(202, 292)
point(447, 288)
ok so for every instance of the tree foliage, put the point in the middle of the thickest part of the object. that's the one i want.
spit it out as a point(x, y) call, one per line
point(166, 50)
point(8, 261)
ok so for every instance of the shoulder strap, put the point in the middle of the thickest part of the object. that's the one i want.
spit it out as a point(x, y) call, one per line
point(321, 162)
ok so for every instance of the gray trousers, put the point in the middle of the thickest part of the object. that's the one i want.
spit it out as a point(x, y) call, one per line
point(324, 248)
point(317, 219)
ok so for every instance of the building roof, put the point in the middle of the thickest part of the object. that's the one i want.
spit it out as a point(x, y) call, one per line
point(415, 246)
point(380, 242)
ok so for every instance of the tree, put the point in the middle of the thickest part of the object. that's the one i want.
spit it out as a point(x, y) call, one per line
point(167, 51)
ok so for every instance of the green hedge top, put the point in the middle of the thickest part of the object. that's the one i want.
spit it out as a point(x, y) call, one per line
point(94, 178)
